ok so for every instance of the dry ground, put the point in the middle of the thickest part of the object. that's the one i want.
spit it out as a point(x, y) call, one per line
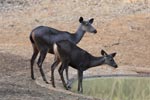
point(123, 27)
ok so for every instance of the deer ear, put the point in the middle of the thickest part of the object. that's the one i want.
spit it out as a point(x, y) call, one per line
point(81, 19)
point(103, 53)
point(113, 54)
point(91, 20)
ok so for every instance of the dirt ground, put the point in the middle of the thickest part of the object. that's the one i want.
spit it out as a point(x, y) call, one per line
point(123, 26)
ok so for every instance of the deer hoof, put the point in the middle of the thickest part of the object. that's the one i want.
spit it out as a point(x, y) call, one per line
point(69, 85)
point(33, 78)
point(47, 82)
point(80, 92)
point(54, 86)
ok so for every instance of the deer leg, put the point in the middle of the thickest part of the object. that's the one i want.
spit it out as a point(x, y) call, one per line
point(68, 82)
point(78, 82)
point(35, 53)
point(40, 62)
point(80, 78)
point(67, 73)
point(61, 69)
point(54, 65)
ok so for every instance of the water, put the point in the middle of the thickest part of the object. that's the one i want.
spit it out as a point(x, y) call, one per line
point(116, 88)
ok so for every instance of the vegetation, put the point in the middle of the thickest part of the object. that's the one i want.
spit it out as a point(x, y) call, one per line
point(122, 88)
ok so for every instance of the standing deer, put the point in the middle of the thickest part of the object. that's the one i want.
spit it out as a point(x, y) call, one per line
point(71, 55)
point(43, 38)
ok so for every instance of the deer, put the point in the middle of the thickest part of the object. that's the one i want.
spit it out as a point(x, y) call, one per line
point(69, 54)
point(43, 37)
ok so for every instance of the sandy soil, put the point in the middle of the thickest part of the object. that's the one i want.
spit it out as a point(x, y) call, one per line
point(123, 27)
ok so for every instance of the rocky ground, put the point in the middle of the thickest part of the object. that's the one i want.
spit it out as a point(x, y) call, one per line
point(123, 27)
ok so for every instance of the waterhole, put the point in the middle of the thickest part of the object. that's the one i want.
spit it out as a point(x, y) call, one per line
point(116, 88)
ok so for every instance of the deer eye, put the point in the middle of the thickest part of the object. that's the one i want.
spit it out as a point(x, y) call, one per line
point(110, 59)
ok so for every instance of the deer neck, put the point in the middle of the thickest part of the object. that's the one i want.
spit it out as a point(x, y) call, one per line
point(96, 61)
point(78, 35)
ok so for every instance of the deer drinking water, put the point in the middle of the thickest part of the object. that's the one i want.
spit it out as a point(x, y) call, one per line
point(71, 55)
point(43, 38)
